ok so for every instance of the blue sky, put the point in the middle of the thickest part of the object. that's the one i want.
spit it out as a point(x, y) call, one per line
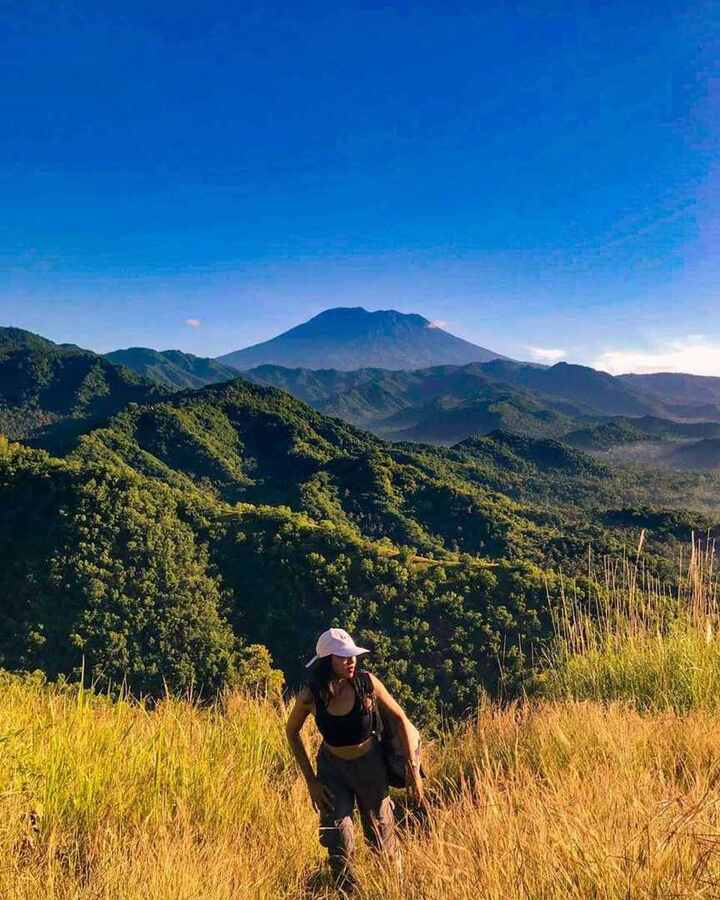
point(541, 176)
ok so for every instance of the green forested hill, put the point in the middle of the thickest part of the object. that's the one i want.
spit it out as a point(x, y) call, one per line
point(622, 430)
point(147, 573)
point(51, 393)
point(178, 534)
point(505, 496)
point(370, 396)
point(156, 585)
point(172, 368)
point(447, 420)
point(677, 388)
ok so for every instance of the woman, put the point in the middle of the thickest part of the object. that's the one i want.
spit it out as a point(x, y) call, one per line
point(350, 765)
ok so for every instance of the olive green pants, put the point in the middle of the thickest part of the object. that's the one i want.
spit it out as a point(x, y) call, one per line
point(362, 781)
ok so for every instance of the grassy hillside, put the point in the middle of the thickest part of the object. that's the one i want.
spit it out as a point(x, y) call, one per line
point(195, 545)
point(555, 799)
point(603, 784)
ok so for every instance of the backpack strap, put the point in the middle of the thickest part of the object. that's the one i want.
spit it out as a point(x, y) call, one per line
point(364, 685)
point(365, 689)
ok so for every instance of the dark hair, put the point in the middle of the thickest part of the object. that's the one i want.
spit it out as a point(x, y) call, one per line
point(321, 679)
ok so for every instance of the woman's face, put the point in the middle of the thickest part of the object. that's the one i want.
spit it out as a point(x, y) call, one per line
point(343, 666)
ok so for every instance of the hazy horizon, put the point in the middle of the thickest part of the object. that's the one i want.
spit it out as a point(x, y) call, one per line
point(536, 355)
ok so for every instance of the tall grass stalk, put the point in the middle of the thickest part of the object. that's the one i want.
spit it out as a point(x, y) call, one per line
point(639, 640)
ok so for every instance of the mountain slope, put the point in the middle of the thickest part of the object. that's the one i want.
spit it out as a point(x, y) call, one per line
point(444, 404)
point(245, 443)
point(576, 390)
point(448, 421)
point(239, 506)
point(51, 393)
point(353, 338)
point(677, 388)
point(172, 368)
point(585, 388)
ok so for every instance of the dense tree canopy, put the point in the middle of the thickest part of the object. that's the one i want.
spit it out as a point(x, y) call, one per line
point(187, 541)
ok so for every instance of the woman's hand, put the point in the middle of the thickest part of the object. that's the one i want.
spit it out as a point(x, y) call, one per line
point(322, 797)
point(414, 782)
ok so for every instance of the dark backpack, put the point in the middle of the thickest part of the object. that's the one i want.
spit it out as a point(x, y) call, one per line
point(390, 742)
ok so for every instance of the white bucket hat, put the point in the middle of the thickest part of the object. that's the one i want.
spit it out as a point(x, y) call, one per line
point(335, 641)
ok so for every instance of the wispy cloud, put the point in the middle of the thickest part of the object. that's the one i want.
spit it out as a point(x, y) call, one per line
point(695, 354)
point(547, 354)
point(193, 323)
point(438, 323)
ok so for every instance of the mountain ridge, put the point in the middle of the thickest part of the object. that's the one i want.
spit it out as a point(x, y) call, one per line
point(172, 368)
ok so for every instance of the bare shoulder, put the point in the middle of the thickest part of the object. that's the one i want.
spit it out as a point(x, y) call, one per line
point(377, 685)
point(301, 709)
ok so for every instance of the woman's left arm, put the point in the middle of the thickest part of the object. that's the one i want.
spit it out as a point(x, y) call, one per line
point(395, 711)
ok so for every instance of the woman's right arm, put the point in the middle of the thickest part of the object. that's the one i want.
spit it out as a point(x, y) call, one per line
point(320, 795)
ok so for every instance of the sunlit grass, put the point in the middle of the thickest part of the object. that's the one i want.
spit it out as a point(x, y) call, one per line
point(638, 640)
point(609, 787)
point(103, 799)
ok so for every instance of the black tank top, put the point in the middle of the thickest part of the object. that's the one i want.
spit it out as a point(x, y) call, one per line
point(343, 731)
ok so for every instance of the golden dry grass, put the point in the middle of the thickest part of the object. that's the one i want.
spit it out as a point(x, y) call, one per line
point(560, 799)
point(608, 788)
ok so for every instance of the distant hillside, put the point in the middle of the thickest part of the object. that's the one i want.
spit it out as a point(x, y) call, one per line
point(678, 455)
point(704, 454)
point(582, 387)
point(447, 421)
point(622, 430)
point(353, 338)
point(377, 398)
point(50, 393)
point(172, 368)
point(370, 396)
point(247, 443)
point(445, 404)
point(508, 451)
point(677, 388)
